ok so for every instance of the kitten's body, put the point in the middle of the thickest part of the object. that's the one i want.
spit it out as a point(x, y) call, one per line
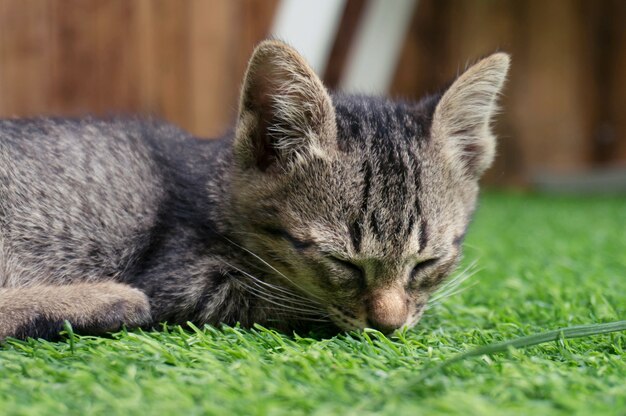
point(313, 207)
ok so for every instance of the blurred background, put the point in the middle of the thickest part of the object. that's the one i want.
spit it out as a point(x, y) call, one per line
point(563, 126)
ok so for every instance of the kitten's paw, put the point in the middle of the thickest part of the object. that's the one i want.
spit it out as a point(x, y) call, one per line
point(91, 308)
point(122, 306)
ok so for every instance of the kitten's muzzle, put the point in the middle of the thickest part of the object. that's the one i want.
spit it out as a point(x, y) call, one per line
point(387, 310)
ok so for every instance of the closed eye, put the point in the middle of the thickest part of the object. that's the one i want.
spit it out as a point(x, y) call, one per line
point(295, 242)
point(354, 268)
point(423, 265)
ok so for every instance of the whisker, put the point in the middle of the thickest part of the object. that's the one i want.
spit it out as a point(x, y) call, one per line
point(284, 291)
point(273, 299)
point(303, 318)
point(262, 291)
point(272, 267)
point(461, 276)
point(291, 301)
point(451, 287)
point(453, 293)
point(281, 305)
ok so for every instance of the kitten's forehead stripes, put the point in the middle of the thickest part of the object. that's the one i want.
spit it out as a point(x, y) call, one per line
point(423, 235)
point(356, 229)
point(386, 135)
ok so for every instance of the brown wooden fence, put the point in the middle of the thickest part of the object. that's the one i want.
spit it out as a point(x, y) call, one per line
point(564, 108)
point(182, 60)
point(565, 104)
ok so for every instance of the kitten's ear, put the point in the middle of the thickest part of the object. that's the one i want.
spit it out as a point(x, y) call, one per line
point(463, 115)
point(285, 112)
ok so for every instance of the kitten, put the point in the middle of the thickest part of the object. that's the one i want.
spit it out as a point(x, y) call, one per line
point(318, 208)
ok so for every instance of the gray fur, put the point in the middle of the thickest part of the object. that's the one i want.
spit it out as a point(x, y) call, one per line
point(318, 208)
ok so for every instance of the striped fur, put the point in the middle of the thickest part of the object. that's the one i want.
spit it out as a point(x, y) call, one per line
point(320, 209)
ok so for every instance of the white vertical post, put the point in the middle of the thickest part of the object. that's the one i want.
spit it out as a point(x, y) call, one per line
point(310, 26)
point(374, 55)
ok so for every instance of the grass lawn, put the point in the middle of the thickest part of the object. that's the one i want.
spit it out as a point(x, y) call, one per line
point(543, 263)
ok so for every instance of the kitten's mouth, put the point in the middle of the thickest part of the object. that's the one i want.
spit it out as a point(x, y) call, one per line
point(414, 318)
point(345, 319)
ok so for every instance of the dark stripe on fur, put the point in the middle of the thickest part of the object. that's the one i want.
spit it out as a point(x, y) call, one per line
point(374, 225)
point(411, 224)
point(208, 291)
point(356, 235)
point(356, 229)
point(367, 184)
point(423, 237)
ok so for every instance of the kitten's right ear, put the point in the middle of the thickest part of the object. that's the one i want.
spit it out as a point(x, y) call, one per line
point(285, 112)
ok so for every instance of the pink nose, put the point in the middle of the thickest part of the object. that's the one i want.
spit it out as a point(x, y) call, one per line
point(387, 310)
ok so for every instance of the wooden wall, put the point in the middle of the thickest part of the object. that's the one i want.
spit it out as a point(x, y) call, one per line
point(179, 59)
point(563, 110)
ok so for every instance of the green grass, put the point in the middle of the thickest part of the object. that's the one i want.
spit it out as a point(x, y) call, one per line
point(545, 263)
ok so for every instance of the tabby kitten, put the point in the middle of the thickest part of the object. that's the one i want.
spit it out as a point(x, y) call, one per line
point(318, 208)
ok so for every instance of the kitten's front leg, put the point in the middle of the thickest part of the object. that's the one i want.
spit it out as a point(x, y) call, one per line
point(91, 308)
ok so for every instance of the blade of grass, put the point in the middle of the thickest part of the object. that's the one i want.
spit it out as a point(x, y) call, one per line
point(69, 332)
point(530, 340)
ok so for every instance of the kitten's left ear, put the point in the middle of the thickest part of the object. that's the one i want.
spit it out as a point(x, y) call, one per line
point(463, 115)
point(285, 112)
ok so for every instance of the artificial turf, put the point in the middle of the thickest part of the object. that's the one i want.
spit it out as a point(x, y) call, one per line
point(544, 263)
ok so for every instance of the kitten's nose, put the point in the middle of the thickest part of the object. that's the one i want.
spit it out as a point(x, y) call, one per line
point(387, 310)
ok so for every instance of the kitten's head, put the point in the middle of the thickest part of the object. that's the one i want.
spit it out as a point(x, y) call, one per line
point(362, 203)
